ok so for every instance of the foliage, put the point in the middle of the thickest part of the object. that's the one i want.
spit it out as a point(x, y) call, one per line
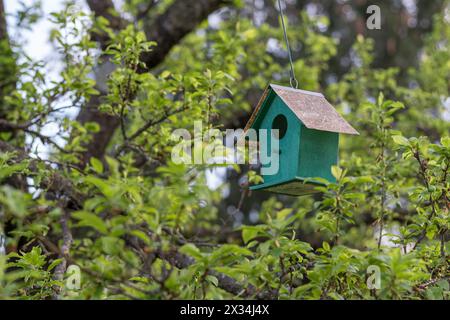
point(141, 226)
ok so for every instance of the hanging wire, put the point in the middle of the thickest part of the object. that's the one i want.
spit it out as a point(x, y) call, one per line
point(293, 81)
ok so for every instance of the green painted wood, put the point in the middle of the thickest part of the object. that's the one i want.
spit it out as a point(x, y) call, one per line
point(288, 145)
point(318, 153)
point(293, 187)
point(304, 153)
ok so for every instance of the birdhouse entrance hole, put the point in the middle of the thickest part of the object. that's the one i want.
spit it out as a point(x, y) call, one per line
point(280, 123)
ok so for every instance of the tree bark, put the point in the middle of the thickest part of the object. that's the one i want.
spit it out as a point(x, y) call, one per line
point(229, 284)
point(178, 20)
point(7, 64)
point(3, 30)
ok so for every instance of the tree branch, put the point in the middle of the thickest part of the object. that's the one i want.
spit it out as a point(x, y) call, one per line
point(151, 123)
point(53, 182)
point(225, 282)
point(65, 249)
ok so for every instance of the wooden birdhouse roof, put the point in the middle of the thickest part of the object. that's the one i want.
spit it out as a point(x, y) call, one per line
point(311, 108)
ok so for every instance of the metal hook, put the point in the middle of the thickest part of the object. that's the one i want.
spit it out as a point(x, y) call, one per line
point(294, 83)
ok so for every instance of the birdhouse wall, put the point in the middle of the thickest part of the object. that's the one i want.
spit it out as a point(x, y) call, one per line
point(289, 144)
point(318, 153)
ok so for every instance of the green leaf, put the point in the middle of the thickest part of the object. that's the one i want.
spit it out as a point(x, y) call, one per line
point(355, 195)
point(111, 245)
point(8, 170)
point(107, 189)
point(191, 250)
point(380, 98)
point(400, 140)
point(140, 279)
point(54, 264)
point(336, 172)
point(249, 232)
point(445, 141)
point(88, 219)
point(97, 165)
point(165, 74)
point(213, 280)
point(282, 214)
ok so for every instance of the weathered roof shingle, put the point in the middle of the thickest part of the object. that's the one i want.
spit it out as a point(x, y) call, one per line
point(311, 108)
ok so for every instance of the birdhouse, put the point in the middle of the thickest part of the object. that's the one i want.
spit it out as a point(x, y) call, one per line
point(308, 139)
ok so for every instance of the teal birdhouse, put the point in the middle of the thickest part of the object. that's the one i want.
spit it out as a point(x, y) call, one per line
point(307, 141)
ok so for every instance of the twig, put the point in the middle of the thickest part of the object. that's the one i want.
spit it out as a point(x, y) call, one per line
point(225, 282)
point(64, 252)
point(155, 122)
point(53, 182)
point(423, 172)
point(46, 139)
